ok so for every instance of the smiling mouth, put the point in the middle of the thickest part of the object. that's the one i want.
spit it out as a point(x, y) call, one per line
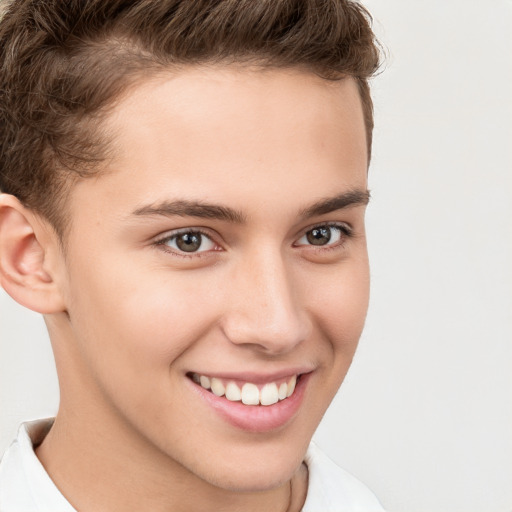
point(248, 393)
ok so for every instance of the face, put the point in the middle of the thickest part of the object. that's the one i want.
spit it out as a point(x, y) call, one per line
point(220, 258)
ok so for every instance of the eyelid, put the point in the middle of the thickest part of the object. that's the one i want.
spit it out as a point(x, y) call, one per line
point(180, 231)
point(161, 240)
point(345, 229)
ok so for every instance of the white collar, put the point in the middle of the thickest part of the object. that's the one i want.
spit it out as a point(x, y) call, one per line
point(24, 483)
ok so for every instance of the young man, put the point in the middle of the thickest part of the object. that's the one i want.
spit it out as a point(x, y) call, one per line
point(184, 187)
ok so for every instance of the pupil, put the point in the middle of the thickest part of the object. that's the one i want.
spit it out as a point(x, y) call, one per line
point(189, 242)
point(319, 236)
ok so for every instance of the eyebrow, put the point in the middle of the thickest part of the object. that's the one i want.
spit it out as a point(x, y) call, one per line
point(339, 202)
point(203, 210)
point(184, 208)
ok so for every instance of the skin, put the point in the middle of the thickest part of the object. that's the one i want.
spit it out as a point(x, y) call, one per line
point(130, 316)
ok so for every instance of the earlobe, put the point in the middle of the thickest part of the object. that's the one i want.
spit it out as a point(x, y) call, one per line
point(23, 252)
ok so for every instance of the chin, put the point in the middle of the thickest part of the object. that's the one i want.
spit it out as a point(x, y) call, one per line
point(246, 479)
point(263, 470)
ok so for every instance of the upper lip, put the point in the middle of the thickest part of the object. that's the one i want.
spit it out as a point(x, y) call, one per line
point(256, 377)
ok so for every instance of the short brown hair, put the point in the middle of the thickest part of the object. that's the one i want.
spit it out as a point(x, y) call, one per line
point(64, 62)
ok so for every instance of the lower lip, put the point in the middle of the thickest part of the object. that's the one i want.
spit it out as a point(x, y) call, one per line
point(256, 418)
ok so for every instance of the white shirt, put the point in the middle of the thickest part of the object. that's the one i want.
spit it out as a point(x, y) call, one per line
point(26, 487)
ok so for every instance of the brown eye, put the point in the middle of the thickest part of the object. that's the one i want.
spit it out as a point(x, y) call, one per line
point(319, 236)
point(190, 242)
point(324, 235)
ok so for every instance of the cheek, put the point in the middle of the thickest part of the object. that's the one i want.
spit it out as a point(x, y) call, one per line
point(340, 304)
point(131, 322)
point(130, 340)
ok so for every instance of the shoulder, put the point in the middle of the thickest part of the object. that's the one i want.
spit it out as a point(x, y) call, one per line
point(24, 484)
point(332, 489)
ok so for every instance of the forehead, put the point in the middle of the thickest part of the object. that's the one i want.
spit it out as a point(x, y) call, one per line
point(230, 133)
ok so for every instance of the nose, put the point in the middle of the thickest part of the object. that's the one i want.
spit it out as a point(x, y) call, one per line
point(266, 310)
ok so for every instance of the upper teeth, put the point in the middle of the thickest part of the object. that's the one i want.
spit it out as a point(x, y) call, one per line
point(249, 394)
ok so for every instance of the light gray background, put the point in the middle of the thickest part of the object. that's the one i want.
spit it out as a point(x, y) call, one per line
point(425, 415)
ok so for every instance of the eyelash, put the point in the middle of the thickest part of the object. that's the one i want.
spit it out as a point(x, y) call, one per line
point(183, 254)
point(346, 232)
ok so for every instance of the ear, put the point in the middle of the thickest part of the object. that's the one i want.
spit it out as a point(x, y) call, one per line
point(29, 249)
